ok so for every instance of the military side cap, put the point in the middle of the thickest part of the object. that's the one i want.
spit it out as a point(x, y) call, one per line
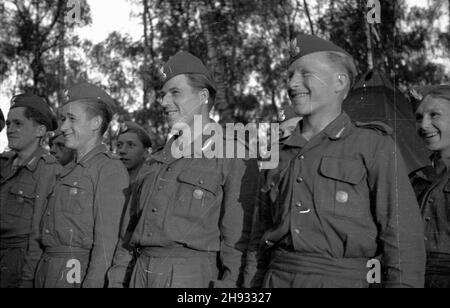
point(92, 92)
point(305, 44)
point(185, 63)
point(130, 127)
point(419, 93)
point(36, 103)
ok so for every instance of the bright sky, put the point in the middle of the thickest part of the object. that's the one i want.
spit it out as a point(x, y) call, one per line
point(116, 15)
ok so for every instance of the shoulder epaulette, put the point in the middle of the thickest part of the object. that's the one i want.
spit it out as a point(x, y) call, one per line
point(376, 125)
point(426, 171)
point(49, 159)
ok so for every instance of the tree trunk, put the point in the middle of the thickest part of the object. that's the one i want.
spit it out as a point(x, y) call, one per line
point(311, 25)
point(215, 66)
point(368, 40)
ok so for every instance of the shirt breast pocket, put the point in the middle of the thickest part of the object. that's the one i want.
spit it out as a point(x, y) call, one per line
point(76, 198)
point(349, 194)
point(20, 201)
point(197, 193)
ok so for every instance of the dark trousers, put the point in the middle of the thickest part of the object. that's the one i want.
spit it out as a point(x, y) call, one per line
point(174, 268)
point(12, 261)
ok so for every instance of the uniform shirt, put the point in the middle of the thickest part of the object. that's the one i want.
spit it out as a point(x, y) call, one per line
point(343, 194)
point(23, 197)
point(203, 204)
point(85, 209)
point(432, 187)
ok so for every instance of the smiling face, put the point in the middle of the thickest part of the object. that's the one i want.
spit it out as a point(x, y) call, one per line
point(80, 131)
point(433, 124)
point(311, 85)
point(181, 101)
point(23, 134)
point(131, 150)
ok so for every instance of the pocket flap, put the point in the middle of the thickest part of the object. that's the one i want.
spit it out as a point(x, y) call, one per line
point(342, 169)
point(206, 180)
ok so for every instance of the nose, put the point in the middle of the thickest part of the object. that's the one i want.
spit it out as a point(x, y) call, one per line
point(425, 123)
point(166, 100)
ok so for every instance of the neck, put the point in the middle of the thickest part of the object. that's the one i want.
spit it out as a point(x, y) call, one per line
point(89, 146)
point(26, 153)
point(314, 124)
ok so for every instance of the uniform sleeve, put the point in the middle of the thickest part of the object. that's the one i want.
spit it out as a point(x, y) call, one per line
point(236, 219)
point(258, 257)
point(401, 232)
point(118, 274)
point(109, 202)
point(47, 178)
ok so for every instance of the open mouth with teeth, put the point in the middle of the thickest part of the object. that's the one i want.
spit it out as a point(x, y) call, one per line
point(429, 135)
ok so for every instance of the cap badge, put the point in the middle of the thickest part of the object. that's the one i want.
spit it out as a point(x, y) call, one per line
point(417, 96)
point(163, 74)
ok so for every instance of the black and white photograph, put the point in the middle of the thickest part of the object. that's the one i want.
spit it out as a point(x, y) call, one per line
point(224, 149)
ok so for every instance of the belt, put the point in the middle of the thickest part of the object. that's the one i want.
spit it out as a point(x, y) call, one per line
point(64, 251)
point(294, 262)
point(175, 252)
point(438, 264)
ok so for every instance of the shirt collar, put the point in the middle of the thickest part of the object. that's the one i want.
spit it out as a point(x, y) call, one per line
point(101, 148)
point(31, 162)
point(337, 129)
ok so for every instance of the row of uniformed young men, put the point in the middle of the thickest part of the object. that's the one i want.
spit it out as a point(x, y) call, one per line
point(339, 197)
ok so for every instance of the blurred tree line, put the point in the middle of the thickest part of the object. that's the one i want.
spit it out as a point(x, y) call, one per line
point(244, 43)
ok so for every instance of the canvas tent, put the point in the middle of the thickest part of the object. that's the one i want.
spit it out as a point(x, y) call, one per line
point(374, 98)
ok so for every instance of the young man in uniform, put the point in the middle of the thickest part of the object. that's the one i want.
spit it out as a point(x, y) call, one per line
point(343, 197)
point(432, 183)
point(195, 223)
point(27, 176)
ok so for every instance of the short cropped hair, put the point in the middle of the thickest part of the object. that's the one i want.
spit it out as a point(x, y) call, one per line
point(199, 81)
point(97, 108)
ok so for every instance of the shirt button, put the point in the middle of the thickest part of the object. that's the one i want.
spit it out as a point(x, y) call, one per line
point(20, 192)
point(299, 180)
point(426, 238)
point(150, 234)
point(47, 231)
point(160, 187)
point(169, 169)
point(427, 219)
point(298, 204)
point(75, 183)
point(155, 210)
point(201, 182)
point(431, 200)
point(302, 157)
point(297, 231)
point(49, 213)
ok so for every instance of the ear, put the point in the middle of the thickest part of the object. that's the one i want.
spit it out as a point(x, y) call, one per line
point(96, 123)
point(204, 95)
point(40, 131)
point(342, 82)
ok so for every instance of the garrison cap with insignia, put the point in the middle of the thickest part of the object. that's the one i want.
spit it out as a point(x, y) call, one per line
point(37, 103)
point(92, 92)
point(305, 44)
point(132, 127)
point(185, 63)
point(419, 93)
